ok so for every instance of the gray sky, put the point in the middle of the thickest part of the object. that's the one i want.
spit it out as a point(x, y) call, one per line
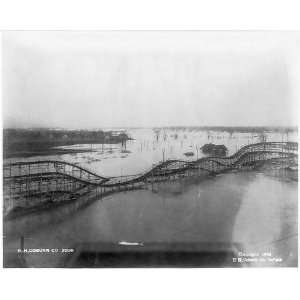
point(103, 79)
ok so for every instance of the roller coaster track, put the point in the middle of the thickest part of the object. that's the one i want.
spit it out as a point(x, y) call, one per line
point(26, 179)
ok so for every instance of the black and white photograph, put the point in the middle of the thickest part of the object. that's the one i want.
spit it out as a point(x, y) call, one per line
point(150, 149)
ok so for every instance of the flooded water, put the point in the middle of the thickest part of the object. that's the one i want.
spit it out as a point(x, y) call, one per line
point(257, 211)
point(149, 147)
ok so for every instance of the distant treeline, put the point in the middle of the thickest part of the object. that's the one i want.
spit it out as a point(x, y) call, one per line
point(23, 141)
point(41, 135)
point(232, 129)
point(214, 149)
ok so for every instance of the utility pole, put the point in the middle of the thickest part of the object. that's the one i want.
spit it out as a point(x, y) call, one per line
point(197, 149)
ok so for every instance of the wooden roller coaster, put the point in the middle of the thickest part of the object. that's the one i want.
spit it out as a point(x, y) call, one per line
point(26, 183)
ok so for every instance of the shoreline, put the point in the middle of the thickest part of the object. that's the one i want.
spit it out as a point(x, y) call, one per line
point(45, 152)
point(26, 151)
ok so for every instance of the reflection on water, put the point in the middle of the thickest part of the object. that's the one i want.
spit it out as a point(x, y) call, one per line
point(268, 219)
point(257, 211)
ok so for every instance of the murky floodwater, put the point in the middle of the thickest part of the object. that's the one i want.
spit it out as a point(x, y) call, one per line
point(257, 211)
point(149, 147)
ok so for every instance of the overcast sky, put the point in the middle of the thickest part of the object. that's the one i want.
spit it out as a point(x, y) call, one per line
point(123, 79)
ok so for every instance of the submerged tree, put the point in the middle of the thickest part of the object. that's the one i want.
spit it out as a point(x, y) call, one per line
point(220, 150)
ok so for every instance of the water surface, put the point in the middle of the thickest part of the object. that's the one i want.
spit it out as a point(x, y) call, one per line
point(249, 208)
